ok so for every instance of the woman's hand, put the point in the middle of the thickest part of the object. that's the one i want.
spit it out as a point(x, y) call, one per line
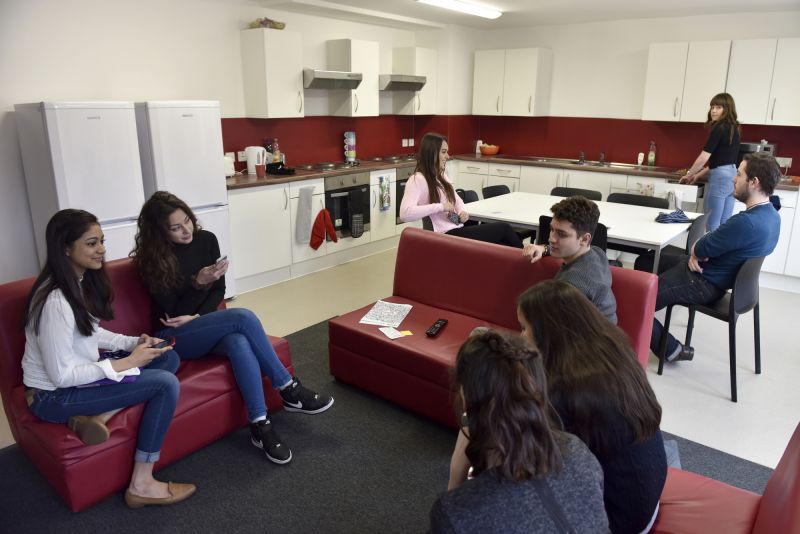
point(447, 206)
point(463, 216)
point(148, 340)
point(142, 355)
point(175, 322)
point(688, 179)
point(211, 273)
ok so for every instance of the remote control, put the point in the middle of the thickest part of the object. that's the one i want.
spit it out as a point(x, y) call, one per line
point(435, 328)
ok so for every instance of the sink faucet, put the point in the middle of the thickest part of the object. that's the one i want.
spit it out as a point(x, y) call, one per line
point(602, 158)
point(581, 157)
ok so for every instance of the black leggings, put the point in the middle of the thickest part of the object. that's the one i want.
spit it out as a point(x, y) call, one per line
point(497, 232)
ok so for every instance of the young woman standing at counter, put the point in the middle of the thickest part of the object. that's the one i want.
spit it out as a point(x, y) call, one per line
point(721, 152)
point(181, 266)
point(429, 193)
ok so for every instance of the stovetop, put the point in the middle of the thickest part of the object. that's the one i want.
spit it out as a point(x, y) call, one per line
point(398, 158)
point(327, 166)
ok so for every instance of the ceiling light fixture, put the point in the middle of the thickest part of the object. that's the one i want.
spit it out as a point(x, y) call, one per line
point(464, 7)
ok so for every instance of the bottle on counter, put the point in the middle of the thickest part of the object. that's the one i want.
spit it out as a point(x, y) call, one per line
point(276, 151)
point(651, 156)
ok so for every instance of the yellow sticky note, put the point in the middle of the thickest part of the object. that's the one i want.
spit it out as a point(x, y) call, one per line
point(406, 332)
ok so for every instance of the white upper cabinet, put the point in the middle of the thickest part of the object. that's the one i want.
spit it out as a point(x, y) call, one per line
point(355, 55)
point(784, 98)
point(272, 73)
point(415, 61)
point(682, 78)
point(749, 75)
point(514, 82)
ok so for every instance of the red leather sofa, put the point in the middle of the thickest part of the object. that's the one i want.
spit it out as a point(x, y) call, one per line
point(210, 405)
point(470, 284)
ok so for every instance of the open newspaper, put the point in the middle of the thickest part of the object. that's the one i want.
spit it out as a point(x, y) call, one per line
point(386, 314)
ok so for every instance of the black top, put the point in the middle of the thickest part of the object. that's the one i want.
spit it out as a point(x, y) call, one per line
point(185, 299)
point(489, 503)
point(723, 151)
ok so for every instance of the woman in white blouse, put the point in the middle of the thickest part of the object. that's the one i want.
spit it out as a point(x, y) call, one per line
point(68, 300)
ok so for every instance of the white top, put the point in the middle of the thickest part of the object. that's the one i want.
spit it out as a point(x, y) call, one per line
point(60, 356)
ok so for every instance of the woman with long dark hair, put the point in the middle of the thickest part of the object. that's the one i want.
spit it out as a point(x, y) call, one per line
point(181, 266)
point(527, 475)
point(721, 152)
point(62, 314)
point(429, 193)
point(602, 396)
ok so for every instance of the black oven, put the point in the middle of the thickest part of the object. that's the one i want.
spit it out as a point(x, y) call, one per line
point(347, 200)
point(402, 175)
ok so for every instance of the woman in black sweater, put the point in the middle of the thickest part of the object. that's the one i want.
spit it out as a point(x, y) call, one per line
point(181, 266)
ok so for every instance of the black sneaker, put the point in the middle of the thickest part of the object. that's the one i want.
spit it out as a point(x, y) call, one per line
point(263, 436)
point(685, 354)
point(297, 398)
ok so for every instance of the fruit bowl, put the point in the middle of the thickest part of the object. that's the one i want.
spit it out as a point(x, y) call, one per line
point(489, 150)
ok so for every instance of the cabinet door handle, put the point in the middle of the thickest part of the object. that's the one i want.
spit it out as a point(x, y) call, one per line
point(473, 168)
point(530, 98)
point(503, 170)
point(374, 199)
point(419, 101)
point(497, 104)
point(772, 115)
point(300, 101)
point(566, 179)
point(321, 204)
point(675, 107)
point(285, 199)
point(356, 97)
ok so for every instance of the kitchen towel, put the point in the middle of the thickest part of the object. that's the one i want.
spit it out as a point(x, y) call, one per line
point(303, 223)
point(322, 225)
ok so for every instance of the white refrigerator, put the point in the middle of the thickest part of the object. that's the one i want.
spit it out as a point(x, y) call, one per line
point(180, 147)
point(82, 155)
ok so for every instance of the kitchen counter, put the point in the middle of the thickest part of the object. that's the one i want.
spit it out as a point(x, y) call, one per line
point(251, 180)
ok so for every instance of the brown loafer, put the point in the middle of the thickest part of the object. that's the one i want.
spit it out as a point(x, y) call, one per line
point(177, 493)
point(91, 429)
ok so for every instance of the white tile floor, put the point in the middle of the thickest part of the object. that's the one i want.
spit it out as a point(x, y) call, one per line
point(695, 396)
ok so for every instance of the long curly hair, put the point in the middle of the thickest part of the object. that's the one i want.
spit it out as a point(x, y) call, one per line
point(729, 117)
point(593, 374)
point(154, 253)
point(428, 166)
point(89, 297)
point(504, 396)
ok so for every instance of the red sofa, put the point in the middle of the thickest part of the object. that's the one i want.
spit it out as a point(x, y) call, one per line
point(210, 405)
point(470, 284)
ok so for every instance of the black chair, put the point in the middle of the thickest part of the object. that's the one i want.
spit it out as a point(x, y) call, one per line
point(599, 239)
point(469, 196)
point(573, 191)
point(461, 192)
point(427, 224)
point(697, 230)
point(495, 190)
point(740, 300)
point(636, 200)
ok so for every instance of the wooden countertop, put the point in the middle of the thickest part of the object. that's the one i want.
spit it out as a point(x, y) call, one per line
point(251, 180)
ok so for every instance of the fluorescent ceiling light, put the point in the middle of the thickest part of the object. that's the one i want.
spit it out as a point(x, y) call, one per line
point(464, 7)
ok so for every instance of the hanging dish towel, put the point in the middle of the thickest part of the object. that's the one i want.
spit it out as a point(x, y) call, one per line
point(386, 195)
point(322, 225)
point(303, 223)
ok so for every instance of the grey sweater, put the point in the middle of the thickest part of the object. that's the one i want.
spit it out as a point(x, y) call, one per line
point(488, 503)
point(591, 275)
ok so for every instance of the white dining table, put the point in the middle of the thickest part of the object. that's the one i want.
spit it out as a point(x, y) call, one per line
point(627, 224)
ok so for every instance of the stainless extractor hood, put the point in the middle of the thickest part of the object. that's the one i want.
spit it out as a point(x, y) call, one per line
point(400, 82)
point(330, 79)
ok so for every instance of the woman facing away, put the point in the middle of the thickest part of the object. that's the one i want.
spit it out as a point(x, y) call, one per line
point(429, 193)
point(181, 266)
point(527, 476)
point(721, 152)
point(62, 314)
point(602, 396)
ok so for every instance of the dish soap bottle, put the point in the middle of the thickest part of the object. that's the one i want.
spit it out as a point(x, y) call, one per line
point(276, 151)
point(651, 156)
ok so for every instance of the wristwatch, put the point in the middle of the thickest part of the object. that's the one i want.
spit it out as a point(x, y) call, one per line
point(546, 250)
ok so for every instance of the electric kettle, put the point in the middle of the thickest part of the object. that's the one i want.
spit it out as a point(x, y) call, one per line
point(256, 155)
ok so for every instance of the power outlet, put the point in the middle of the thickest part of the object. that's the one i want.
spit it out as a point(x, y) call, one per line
point(242, 155)
point(405, 142)
point(411, 141)
point(231, 155)
point(784, 162)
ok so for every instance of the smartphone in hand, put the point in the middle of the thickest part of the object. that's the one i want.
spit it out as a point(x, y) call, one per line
point(166, 343)
point(221, 258)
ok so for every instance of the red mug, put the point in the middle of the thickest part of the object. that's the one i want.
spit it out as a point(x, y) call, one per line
point(261, 170)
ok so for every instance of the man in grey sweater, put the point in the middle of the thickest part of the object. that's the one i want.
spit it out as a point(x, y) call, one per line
point(585, 266)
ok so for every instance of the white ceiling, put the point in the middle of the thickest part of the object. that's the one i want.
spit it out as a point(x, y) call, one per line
point(522, 13)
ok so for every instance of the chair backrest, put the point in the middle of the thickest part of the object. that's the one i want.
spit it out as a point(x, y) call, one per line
point(639, 200)
point(696, 231)
point(778, 510)
point(470, 196)
point(461, 192)
point(574, 191)
point(599, 238)
point(495, 190)
point(744, 296)
point(427, 224)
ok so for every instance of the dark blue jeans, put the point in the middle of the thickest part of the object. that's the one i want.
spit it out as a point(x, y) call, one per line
point(238, 334)
point(678, 285)
point(157, 386)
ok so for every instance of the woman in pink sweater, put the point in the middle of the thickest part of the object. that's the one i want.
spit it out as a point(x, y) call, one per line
point(429, 193)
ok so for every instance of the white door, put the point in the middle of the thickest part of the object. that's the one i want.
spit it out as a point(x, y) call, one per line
point(303, 251)
point(539, 180)
point(119, 239)
point(519, 82)
point(594, 181)
point(95, 156)
point(749, 75)
point(487, 85)
point(706, 73)
point(366, 60)
point(663, 90)
point(784, 103)
point(382, 222)
point(426, 65)
point(186, 143)
point(217, 221)
point(261, 229)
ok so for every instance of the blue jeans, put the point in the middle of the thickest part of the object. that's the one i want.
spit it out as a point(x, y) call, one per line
point(719, 195)
point(157, 386)
point(238, 334)
point(678, 285)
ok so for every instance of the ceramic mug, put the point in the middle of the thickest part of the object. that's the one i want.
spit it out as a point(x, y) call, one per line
point(350, 146)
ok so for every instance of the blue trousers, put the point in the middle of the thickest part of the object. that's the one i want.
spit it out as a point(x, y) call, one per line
point(238, 334)
point(157, 386)
point(678, 285)
point(719, 195)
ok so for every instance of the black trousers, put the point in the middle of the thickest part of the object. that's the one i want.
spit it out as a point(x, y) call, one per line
point(498, 232)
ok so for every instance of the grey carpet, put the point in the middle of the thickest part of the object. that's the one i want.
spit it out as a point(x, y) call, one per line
point(363, 466)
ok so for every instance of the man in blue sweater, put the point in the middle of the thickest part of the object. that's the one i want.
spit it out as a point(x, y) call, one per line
point(711, 269)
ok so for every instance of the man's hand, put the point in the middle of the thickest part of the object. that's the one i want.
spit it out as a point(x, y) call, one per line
point(694, 262)
point(533, 252)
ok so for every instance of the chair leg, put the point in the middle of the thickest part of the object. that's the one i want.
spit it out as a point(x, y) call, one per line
point(690, 327)
point(662, 343)
point(757, 335)
point(732, 341)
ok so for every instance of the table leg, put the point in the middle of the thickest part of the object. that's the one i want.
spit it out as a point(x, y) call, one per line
point(655, 260)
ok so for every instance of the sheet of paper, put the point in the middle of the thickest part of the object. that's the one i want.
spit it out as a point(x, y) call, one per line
point(390, 332)
point(386, 314)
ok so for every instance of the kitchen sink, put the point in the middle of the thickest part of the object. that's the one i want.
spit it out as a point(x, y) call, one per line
point(588, 163)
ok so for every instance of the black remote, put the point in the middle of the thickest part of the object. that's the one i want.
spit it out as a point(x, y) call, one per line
point(435, 327)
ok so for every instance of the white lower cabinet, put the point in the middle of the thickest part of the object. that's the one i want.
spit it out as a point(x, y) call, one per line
point(539, 180)
point(303, 251)
point(473, 175)
point(596, 181)
point(511, 183)
point(260, 228)
point(382, 222)
point(781, 260)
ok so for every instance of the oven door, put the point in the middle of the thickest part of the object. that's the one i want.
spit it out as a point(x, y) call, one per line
point(349, 209)
point(401, 188)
